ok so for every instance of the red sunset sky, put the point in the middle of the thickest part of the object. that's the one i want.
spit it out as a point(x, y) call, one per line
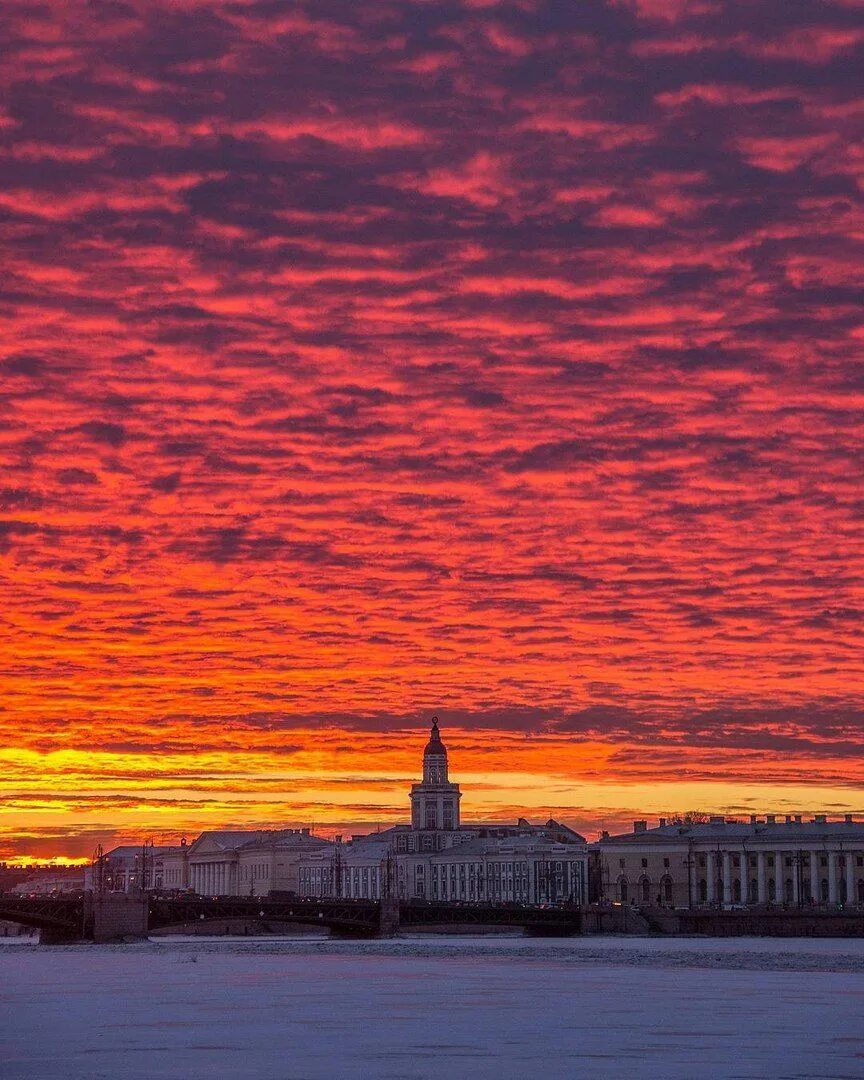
point(360, 361)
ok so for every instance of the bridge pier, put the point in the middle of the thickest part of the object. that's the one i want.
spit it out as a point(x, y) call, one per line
point(389, 923)
point(120, 916)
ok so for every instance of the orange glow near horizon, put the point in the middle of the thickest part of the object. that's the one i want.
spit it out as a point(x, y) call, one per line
point(360, 366)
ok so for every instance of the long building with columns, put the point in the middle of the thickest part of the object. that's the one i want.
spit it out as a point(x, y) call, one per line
point(773, 860)
point(788, 861)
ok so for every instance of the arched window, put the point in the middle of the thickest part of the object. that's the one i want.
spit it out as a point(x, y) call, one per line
point(666, 890)
point(736, 891)
point(645, 886)
point(754, 891)
point(431, 817)
point(703, 891)
point(622, 890)
point(823, 890)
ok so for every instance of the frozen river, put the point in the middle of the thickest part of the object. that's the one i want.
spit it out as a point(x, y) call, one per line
point(485, 1009)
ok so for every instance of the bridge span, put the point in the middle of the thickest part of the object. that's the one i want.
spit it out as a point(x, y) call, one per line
point(119, 916)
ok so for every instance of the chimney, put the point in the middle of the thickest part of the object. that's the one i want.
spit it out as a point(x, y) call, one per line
point(662, 822)
point(820, 819)
point(717, 819)
point(753, 819)
point(182, 841)
point(640, 826)
point(770, 819)
point(797, 819)
point(304, 832)
point(847, 818)
point(788, 819)
point(604, 835)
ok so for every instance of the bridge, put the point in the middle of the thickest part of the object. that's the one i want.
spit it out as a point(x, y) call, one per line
point(115, 916)
point(58, 918)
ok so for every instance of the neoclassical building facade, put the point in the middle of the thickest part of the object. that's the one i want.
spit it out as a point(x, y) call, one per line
point(254, 863)
point(713, 863)
point(437, 857)
point(722, 863)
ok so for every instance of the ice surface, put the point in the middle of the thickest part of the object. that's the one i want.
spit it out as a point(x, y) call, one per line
point(482, 1008)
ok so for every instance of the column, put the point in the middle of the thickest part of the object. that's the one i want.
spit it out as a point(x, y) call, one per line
point(744, 863)
point(692, 886)
point(711, 877)
point(832, 877)
point(850, 878)
point(814, 878)
point(780, 876)
point(727, 878)
point(761, 883)
point(796, 872)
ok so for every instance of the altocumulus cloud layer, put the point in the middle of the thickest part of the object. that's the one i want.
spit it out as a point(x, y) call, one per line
point(358, 360)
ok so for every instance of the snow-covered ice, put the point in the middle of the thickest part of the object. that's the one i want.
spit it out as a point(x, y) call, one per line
point(484, 1008)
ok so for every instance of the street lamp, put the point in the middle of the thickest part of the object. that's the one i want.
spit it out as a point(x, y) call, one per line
point(689, 863)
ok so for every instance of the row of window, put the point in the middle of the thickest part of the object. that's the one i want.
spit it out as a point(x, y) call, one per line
point(358, 882)
point(426, 842)
point(254, 871)
point(786, 894)
point(702, 861)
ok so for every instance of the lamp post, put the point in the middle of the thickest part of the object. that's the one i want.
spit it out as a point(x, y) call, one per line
point(799, 876)
point(337, 870)
point(143, 882)
point(689, 862)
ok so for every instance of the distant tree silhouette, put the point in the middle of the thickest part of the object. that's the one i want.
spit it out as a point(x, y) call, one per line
point(689, 817)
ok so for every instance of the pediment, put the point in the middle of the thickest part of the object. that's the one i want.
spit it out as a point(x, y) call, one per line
point(206, 844)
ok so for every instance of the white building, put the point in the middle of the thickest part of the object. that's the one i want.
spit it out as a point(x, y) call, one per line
point(48, 884)
point(437, 857)
point(130, 868)
point(175, 869)
point(720, 863)
point(526, 869)
point(249, 863)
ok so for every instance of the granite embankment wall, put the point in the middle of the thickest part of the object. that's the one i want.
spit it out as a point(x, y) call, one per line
point(756, 923)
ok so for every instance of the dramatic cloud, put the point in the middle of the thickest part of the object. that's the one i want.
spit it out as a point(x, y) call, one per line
point(500, 359)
